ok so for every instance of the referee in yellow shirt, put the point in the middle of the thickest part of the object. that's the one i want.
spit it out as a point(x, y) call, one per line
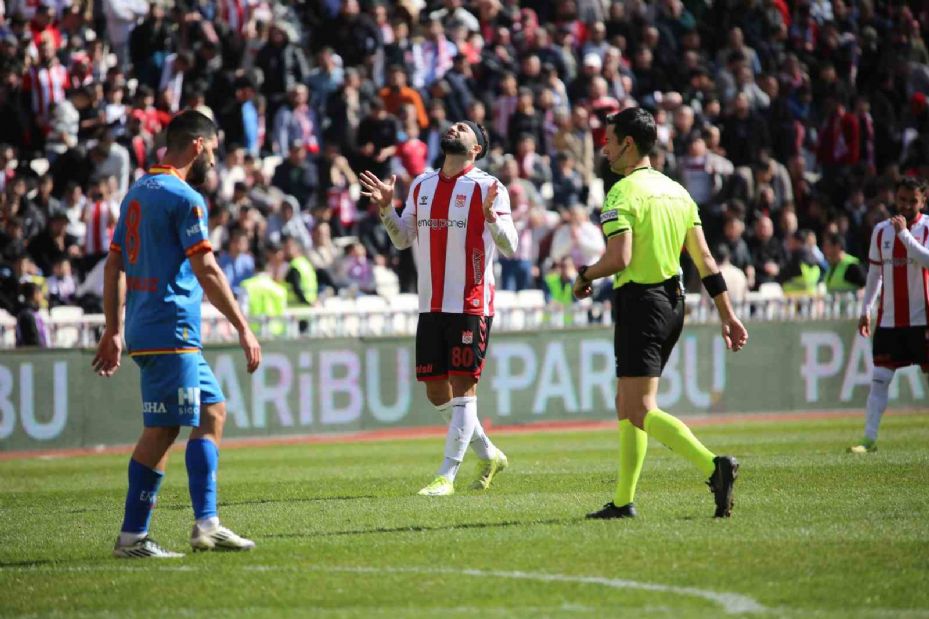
point(648, 219)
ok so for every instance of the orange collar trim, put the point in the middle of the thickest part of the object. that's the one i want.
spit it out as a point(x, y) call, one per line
point(163, 169)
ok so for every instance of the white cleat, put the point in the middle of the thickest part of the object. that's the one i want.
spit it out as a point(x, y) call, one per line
point(144, 548)
point(218, 538)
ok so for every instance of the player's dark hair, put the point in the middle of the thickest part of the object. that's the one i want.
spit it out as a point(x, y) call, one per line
point(638, 124)
point(834, 238)
point(910, 182)
point(187, 127)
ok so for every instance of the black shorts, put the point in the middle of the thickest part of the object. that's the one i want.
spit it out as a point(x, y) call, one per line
point(901, 346)
point(649, 319)
point(451, 344)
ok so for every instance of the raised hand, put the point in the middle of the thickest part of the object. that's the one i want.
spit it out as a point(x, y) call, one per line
point(376, 190)
point(489, 215)
point(898, 222)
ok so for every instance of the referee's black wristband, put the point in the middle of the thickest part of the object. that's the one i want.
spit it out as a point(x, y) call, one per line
point(715, 284)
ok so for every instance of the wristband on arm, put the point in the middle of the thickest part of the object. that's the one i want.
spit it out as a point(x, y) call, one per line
point(715, 284)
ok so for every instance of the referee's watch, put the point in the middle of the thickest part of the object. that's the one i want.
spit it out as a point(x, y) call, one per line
point(581, 271)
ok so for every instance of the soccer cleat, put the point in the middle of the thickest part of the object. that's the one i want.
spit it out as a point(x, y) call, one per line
point(866, 445)
point(142, 549)
point(611, 511)
point(440, 486)
point(721, 482)
point(488, 469)
point(217, 538)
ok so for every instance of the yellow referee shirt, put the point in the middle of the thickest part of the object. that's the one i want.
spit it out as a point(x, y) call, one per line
point(659, 212)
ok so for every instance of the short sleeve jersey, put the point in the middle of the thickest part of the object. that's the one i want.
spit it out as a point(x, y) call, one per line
point(162, 221)
point(658, 212)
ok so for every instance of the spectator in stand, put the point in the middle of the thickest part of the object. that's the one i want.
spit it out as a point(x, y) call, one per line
point(298, 175)
point(845, 273)
point(288, 223)
point(239, 118)
point(704, 174)
point(533, 167)
point(323, 255)
point(377, 141)
point(568, 186)
point(300, 279)
point(62, 286)
point(31, 329)
point(356, 271)
point(578, 238)
point(801, 273)
point(296, 121)
point(53, 243)
point(237, 261)
point(744, 132)
point(100, 216)
point(736, 281)
point(397, 94)
point(44, 83)
point(283, 65)
point(767, 252)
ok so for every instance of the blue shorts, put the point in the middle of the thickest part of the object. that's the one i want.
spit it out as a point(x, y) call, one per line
point(174, 387)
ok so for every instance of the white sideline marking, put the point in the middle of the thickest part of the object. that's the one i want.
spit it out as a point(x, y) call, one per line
point(732, 603)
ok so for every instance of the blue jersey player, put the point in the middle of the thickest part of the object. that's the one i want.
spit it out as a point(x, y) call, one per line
point(159, 265)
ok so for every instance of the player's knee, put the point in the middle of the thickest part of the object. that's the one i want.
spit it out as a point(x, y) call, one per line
point(437, 393)
point(214, 414)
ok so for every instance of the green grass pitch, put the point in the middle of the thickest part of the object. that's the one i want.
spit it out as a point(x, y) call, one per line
point(815, 532)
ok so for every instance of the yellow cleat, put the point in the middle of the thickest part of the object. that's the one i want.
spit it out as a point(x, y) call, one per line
point(440, 486)
point(488, 470)
point(865, 446)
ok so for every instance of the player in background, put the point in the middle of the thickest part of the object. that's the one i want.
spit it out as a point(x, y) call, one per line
point(455, 218)
point(160, 264)
point(898, 260)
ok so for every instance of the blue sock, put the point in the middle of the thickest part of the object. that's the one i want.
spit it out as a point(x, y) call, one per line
point(202, 462)
point(140, 499)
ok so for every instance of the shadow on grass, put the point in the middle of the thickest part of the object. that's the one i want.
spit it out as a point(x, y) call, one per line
point(425, 528)
point(180, 506)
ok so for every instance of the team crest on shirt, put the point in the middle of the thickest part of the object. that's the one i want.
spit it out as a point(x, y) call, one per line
point(460, 200)
point(198, 213)
point(467, 337)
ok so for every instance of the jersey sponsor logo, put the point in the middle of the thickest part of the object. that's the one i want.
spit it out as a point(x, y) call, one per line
point(477, 263)
point(141, 284)
point(154, 407)
point(148, 496)
point(460, 200)
point(424, 369)
point(188, 395)
point(467, 337)
point(196, 229)
point(442, 223)
point(611, 215)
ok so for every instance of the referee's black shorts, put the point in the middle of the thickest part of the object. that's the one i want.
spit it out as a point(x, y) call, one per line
point(649, 319)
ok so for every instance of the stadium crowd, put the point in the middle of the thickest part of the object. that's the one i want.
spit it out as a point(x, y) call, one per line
point(788, 122)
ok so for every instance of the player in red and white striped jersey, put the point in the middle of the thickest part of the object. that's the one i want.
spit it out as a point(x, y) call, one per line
point(455, 219)
point(899, 274)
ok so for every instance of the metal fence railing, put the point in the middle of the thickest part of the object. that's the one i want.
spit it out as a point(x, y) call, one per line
point(380, 317)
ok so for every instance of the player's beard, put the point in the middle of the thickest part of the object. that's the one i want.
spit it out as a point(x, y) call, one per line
point(196, 175)
point(453, 146)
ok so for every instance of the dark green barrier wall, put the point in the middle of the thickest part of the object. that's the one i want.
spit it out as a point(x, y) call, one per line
point(52, 399)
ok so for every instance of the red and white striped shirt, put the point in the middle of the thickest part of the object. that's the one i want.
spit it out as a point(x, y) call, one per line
point(46, 85)
point(905, 283)
point(100, 219)
point(453, 244)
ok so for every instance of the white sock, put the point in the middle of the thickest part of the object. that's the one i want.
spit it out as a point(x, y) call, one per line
point(445, 411)
point(480, 442)
point(208, 523)
point(460, 431)
point(877, 400)
point(126, 539)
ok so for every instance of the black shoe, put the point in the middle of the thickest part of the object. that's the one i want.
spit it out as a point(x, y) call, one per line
point(721, 482)
point(610, 511)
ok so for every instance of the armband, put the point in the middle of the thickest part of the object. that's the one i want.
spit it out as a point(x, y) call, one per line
point(581, 274)
point(715, 284)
